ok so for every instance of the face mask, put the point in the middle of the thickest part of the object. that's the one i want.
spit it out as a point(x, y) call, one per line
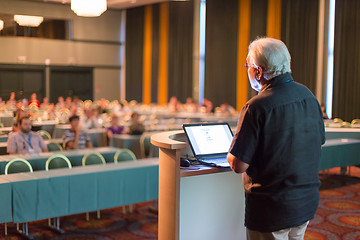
point(255, 84)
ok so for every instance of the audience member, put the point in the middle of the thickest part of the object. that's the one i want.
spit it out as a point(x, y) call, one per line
point(103, 106)
point(45, 104)
point(68, 103)
point(74, 138)
point(323, 109)
point(189, 105)
point(227, 110)
point(20, 112)
point(33, 100)
point(89, 120)
point(11, 101)
point(174, 105)
point(25, 141)
point(60, 104)
point(50, 113)
point(115, 128)
point(135, 127)
point(76, 101)
point(209, 107)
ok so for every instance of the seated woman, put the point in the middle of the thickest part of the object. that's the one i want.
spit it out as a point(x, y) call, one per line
point(115, 128)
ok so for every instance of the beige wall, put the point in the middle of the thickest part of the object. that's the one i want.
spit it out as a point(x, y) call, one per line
point(106, 83)
point(94, 46)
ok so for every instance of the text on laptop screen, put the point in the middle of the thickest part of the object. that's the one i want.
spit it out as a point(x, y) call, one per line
point(210, 139)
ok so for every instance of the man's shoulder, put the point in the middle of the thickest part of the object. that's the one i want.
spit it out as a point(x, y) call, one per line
point(35, 134)
point(13, 135)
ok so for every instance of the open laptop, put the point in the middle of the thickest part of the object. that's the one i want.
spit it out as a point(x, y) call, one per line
point(210, 142)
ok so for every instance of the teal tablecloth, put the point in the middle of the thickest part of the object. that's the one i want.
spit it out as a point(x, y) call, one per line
point(131, 142)
point(5, 199)
point(337, 133)
point(61, 192)
point(75, 156)
point(340, 153)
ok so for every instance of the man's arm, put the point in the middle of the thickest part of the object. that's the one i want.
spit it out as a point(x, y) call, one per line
point(236, 164)
point(43, 146)
point(11, 145)
point(74, 144)
point(88, 141)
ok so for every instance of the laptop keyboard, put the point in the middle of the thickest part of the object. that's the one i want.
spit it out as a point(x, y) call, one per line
point(216, 160)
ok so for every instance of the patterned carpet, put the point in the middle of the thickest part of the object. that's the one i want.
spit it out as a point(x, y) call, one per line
point(338, 217)
point(140, 224)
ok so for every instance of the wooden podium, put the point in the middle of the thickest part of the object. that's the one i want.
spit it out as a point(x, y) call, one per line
point(198, 202)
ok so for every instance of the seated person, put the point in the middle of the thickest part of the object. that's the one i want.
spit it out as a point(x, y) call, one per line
point(45, 104)
point(135, 127)
point(90, 119)
point(33, 100)
point(323, 109)
point(11, 101)
point(114, 128)
point(60, 104)
point(227, 110)
point(74, 138)
point(24, 140)
point(209, 107)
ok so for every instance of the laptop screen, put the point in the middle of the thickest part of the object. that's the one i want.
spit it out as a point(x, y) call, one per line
point(209, 138)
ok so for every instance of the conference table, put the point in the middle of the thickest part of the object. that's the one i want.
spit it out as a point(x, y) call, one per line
point(5, 130)
point(337, 133)
point(38, 161)
point(47, 125)
point(131, 142)
point(47, 194)
point(3, 137)
point(7, 119)
point(340, 153)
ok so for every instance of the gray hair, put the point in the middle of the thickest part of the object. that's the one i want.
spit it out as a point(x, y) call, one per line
point(271, 55)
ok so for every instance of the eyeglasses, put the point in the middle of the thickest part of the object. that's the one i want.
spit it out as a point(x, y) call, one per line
point(248, 65)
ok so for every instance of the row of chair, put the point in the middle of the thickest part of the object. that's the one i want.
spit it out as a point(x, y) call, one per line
point(57, 161)
point(144, 143)
point(61, 161)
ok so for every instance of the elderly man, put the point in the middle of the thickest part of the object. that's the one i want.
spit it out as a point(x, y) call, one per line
point(25, 141)
point(277, 146)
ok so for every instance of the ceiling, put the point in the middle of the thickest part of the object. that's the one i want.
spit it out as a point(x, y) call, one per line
point(114, 4)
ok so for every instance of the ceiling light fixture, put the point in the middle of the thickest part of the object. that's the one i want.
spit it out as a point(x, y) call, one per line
point(28, 21)
point(88, 8)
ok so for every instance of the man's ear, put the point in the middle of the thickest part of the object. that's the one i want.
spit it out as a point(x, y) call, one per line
point(258, 73)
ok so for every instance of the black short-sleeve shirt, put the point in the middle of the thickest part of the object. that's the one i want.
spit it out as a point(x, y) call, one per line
point(279, 134)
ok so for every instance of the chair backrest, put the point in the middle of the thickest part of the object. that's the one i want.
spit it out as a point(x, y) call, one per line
point(57, 161)
point(145, 145)
point(18, 165)
point(52, 147)
point(44, 134)
point(124, 155)
point(93, 158)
